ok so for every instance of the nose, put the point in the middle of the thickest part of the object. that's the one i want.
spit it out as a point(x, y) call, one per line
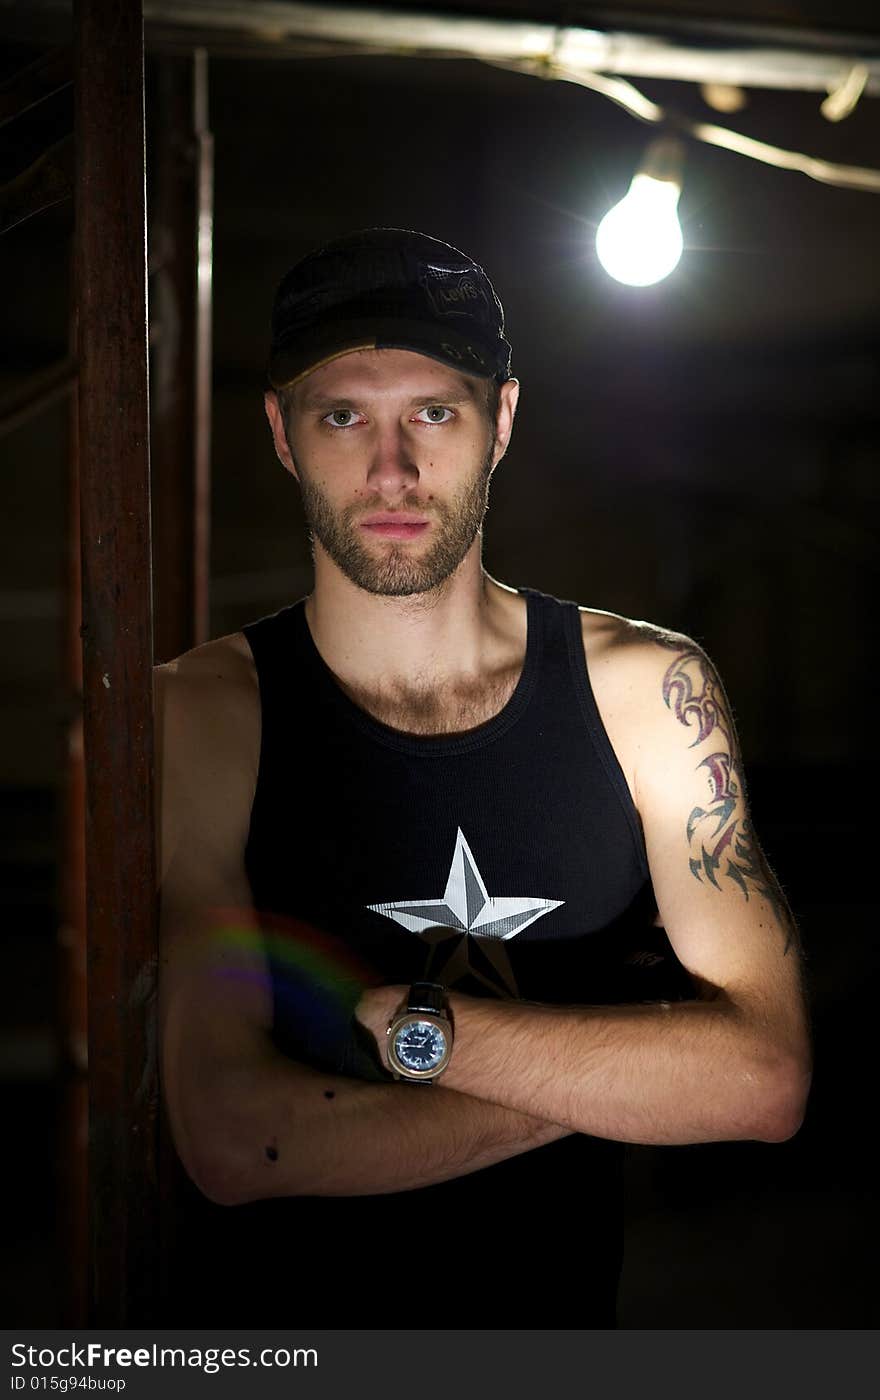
point(392, 469)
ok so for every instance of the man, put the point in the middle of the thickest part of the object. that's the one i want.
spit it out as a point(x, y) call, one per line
point(460, 891)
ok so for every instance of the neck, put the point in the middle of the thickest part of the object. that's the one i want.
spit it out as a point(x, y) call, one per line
point(455, 633)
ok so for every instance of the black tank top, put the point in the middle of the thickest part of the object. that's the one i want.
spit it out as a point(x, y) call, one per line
point(506, 861)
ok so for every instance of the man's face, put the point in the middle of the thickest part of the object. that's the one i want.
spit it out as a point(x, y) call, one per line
point(393, 452)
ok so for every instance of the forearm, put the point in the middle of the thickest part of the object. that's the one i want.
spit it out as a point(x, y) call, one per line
point(687, 1072)
point(275, 1127)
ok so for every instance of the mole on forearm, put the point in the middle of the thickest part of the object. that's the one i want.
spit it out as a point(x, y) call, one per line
point(272, 1151)
point(329, 1093)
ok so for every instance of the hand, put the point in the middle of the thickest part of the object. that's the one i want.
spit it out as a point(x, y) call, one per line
point(375, 1010)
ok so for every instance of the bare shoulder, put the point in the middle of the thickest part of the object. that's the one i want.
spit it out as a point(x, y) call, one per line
point(224, 665)
point(208, 744)
point(208, 709)
point(638, 671)
point(214, 685)
point(610, 639)
point(625, 657)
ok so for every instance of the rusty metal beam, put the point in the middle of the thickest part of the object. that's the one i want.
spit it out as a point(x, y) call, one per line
point(181, 228)
point(117, 660)
point(806, 44)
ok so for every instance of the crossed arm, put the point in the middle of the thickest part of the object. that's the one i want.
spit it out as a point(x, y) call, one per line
point(700, 1071)
point(733, 1064)
point(250, 1123)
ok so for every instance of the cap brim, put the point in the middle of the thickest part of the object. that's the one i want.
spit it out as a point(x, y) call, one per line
point(288, 365)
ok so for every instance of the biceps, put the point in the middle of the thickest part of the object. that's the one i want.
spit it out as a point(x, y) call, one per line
point(721, 905)
point(712, 848)
point(697, 823)
point(731, 930)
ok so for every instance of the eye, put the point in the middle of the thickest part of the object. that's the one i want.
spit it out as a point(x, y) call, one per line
point(340, 418)
point(434, 413)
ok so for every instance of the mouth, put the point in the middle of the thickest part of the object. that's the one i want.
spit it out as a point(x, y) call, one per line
point(396, 526)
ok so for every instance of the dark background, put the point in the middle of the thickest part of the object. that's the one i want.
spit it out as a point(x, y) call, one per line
point(703, 454)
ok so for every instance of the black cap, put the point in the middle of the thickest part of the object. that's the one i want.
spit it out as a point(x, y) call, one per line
point(387, 288)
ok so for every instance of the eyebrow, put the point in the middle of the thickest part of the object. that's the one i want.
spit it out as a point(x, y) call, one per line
point(315, 401)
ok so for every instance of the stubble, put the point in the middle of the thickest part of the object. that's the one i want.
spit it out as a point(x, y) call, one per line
point(396, 572)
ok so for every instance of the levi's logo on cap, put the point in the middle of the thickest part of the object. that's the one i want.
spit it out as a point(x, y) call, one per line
point(453, 290)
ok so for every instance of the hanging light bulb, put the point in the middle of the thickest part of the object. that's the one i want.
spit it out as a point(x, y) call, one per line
point(639, 241)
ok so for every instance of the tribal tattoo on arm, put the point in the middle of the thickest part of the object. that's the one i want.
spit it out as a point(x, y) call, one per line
point(722, 843)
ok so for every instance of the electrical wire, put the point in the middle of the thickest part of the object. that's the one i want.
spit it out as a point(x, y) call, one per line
point(625, 95)
point(846, 96)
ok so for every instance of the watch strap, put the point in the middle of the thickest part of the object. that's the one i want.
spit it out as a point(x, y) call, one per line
point(427, 996)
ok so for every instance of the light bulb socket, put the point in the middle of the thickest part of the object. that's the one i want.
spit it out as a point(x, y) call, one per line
point(664, 160)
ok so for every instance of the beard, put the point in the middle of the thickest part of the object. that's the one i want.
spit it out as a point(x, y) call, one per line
point(395, 573)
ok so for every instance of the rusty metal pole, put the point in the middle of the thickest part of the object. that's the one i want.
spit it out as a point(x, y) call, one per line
point(181, 240)
point(180, 263)
point(117, 660)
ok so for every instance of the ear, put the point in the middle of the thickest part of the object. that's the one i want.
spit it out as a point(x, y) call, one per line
point(508, 398)
point(279, 432)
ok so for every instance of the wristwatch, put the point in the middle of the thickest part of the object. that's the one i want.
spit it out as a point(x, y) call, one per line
point(420, 1035)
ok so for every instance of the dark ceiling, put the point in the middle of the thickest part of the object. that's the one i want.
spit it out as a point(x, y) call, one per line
point(771, 253)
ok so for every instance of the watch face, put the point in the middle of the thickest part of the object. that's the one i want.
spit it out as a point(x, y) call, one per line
point(420, 1045)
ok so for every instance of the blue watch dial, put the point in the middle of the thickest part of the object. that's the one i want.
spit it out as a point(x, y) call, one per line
point(420, 1045)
